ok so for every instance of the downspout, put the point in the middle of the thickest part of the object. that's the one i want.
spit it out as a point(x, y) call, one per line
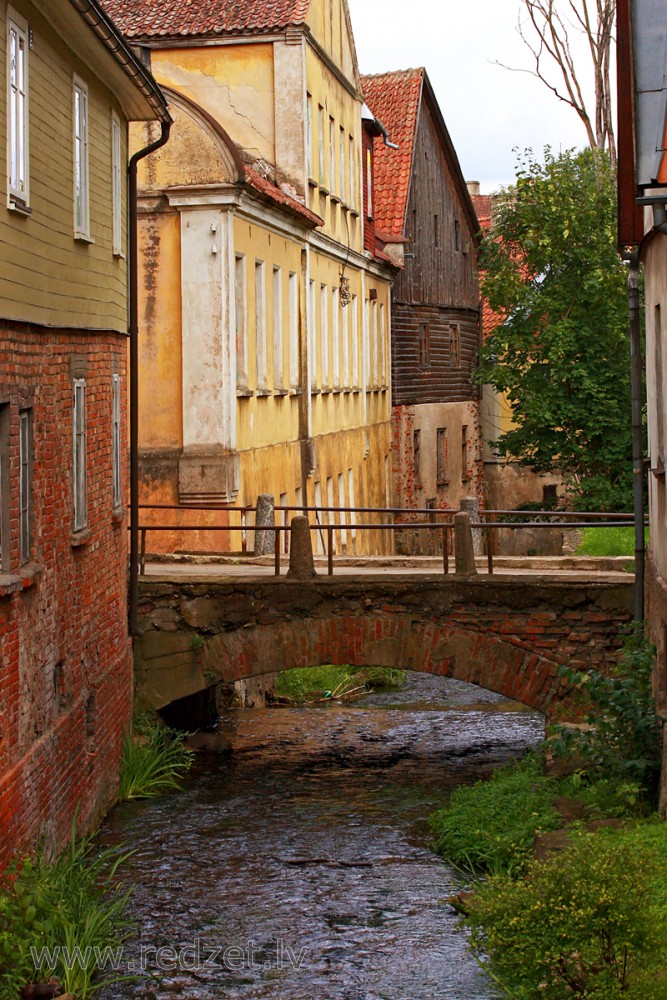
point(133, 292)
point(636, 382)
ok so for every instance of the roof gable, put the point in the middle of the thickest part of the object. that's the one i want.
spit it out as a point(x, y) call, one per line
point(186, 18)
point(394, 98)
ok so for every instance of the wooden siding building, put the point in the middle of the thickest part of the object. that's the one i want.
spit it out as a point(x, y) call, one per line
point(425, 221)
point(65, 657)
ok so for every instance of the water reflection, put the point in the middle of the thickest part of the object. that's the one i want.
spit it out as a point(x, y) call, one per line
point(306, 851)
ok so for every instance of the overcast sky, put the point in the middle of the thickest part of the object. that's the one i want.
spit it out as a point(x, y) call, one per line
point(488, 110)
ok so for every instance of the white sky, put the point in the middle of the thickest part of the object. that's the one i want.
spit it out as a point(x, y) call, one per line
point(488, 110)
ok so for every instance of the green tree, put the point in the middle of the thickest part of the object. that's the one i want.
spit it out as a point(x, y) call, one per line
point(562, 354)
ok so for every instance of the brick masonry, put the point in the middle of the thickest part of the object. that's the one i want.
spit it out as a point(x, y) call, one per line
point(508, 635)
point(65, 656)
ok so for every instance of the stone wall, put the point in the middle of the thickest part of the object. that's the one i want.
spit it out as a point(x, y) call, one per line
point(508, 635)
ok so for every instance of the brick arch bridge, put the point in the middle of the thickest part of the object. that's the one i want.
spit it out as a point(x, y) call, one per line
point(508, 634)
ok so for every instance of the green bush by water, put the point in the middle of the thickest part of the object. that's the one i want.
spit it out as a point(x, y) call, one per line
point(304, 684)
point(490, 826)
point(589, 923)
point(153, 760)
point(73, 902)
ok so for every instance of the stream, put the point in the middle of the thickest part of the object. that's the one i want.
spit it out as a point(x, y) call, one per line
point(297, 867)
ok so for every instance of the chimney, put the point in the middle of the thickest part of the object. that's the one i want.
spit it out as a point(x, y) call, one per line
point(473, 188)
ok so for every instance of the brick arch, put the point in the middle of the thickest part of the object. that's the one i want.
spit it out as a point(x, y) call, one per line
point(444, 650)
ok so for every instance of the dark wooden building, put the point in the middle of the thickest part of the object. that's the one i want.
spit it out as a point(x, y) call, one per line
point(425, 220)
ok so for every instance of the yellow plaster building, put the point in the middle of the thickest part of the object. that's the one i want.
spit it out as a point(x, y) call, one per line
point(264, 323)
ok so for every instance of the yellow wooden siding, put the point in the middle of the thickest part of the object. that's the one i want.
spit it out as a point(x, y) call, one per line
point(49, 277)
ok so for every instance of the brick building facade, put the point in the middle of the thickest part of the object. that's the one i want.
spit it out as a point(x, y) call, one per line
point(65, 654)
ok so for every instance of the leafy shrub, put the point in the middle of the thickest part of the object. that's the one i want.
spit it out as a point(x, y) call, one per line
point(624, 744)
point(588, 923)
point(300, 683)
point(490, 826)
point(73, 902)
point(152, 761)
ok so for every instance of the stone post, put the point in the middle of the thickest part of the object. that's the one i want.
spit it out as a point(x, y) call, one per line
point(301, 564)
point(265, 541)
point(463, 546)
point(471, 506)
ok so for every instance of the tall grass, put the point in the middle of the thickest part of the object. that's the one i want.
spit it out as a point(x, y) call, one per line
point(608, 542)
point(46, 906)
point(152, 762)
point(310, 683)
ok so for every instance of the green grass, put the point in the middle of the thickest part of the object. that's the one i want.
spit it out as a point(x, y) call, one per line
point(310, 683)
point(153, 760)
point(608, 542)
point(75, 901)
point(489, 827)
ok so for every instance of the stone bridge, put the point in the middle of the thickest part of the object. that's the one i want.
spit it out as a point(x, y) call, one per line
point(507, 634)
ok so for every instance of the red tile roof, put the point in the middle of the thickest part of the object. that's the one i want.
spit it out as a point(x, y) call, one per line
point(394, 99)
point(173, 18)
point(280, 197)
point(483, 208)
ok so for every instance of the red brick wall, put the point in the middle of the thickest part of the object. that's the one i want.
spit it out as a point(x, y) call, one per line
point(65, 666)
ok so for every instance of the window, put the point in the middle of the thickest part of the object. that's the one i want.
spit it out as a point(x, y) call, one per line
point(17, 110)
point(335, 336)
point(81, 184)
point(441, 455)
point(277, 327)
point(309, 135)
point(345, 317)
point(25, 485)
point(341, 160)
point(116, 456)
point(341, 504)
point(312, 335)
point(117, 185)
point(241, 328)
point(355, 343)
point(382, 342)
point(374, 342)
point(424, 345)
point(350, 493)
point(293, 307)
point(260, 323)
point(332, 156)
point(465, 473)
point(436, 230)
point(324, 334)
point(416, 447)
point(455, 345)
point(320, 142)
point(79, 473)
point(353, 185)
point(457, 234)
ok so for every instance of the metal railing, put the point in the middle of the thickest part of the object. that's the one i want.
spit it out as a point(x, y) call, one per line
point(556, 520)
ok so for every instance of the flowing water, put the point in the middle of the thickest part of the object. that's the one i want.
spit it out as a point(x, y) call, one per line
point(298, 866)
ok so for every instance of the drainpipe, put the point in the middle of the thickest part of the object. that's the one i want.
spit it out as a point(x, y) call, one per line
point(637, 431)
point(133, 238)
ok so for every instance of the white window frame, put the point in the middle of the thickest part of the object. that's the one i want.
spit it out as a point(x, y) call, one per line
point(354, 306)
point(260, 322)
point(293, 329)
point(25, 486)
point(117, 184)
point(341, 163)
point(312, 333)
point(332, 156)
point(81, 138)
point(79, 455)
point(18, 116)
point(345, 320)
point(277, 301)
point(116, 445)
point(241, 310)
point(309, 135)
point(335, 335)
point(324, 335)
point(353, 174)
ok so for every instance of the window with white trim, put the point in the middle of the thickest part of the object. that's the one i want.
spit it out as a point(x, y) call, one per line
point(335, 336)
point(241, 327)
point(25, 485)
point(117, 185)
point(18, 35)
point(309, 135)
point(260, 323)
point(353, 186)
point(81, 176)
point(277, 327)
point(341, 160)
point(116, 464)
point(79, 453)
point(324, 335)
point(332, 156)
point(293, 330)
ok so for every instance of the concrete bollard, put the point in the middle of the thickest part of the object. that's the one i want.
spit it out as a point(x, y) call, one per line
point(265, 541)
point(463, 546)
point(301, 564)
point(470, 505)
